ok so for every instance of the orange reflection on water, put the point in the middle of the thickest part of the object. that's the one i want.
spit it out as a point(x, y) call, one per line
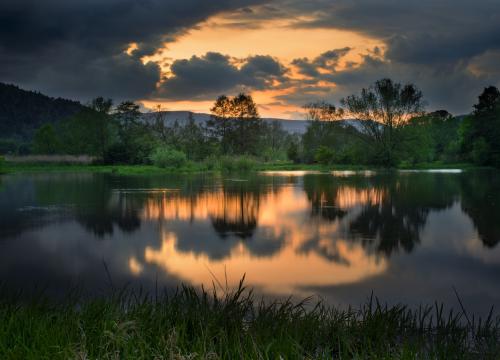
point(314, 252)
point(286, 272)
point(349, 197)
point(241, 207)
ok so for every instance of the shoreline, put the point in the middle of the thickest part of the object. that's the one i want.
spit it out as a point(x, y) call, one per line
point(193, 168)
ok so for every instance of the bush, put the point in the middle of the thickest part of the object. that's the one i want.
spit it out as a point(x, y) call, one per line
point(117, 153)
point(238, 163)
point(324, 155)
point(166, 157)
point(2, 163)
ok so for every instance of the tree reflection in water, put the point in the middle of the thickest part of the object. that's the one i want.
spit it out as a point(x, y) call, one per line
point(285, 231)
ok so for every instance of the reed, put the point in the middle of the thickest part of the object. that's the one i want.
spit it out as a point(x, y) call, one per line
point(201, 324)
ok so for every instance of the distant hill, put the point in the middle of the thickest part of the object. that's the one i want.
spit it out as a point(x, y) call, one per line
point(22, 112)
point(292, 126)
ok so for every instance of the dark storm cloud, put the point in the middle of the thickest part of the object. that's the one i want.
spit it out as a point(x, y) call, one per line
point(454, 88)
point(76, 48)
point(204, 77)
point(326, 61)
point(435, 44)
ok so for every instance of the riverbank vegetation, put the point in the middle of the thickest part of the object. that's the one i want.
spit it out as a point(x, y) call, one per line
point(385, 125)
point(191, 324)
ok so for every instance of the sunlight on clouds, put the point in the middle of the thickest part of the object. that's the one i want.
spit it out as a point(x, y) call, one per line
point(278, 38)
point(131, 48)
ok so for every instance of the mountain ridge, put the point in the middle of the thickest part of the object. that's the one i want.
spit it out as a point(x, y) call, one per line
point(23, 111)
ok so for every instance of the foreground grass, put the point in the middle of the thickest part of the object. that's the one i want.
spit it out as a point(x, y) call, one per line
point(204, 325)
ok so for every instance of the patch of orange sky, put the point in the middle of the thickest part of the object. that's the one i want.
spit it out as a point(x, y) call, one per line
point(277, 38)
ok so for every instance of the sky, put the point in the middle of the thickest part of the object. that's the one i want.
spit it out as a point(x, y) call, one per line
point(285, 53)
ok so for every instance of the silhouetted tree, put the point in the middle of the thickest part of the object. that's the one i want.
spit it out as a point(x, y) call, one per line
point(489, 100)
point(101, 105)
point(136, 141)
point(481, 131)
point(236, 124)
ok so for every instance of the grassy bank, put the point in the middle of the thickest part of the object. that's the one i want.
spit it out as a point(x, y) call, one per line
point(194, 167)
point(194, 325)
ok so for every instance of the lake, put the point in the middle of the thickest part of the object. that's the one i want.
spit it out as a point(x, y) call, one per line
point(406, 236)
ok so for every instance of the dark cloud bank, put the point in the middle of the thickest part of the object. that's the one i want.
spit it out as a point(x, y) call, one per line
point(75, 48)
point(205, 77)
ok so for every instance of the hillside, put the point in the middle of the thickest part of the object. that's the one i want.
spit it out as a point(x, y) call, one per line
point(22, 112)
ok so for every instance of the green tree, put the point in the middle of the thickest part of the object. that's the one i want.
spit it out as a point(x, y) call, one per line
point(46, 140)
point(293, 150)
point(102, 123)
point(328, 139)
point(383, 109)
point(235, 123)
point(136, 140)
point(192, 140)
point(87, 132)
point(219, 125)
point(431, 137)
point(324, 155)
point(275, 141)
point(480, 132)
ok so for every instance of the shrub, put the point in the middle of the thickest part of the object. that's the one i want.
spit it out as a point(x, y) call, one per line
point(117, 154)
point(324, 155)
point(166, 157)
point(2, 163)
point(237, 164)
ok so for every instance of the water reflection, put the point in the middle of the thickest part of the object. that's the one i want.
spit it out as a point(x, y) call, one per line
point(288, 232)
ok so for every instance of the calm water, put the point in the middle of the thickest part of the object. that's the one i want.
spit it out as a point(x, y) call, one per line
point(408, 236)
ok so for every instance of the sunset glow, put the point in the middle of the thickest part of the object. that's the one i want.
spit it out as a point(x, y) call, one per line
point(275, 213)
point(276, 38)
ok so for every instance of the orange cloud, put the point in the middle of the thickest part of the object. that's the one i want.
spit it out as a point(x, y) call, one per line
point(276, 38)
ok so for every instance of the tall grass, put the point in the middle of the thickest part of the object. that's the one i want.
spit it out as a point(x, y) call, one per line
point(191, 324)
point(241, 163)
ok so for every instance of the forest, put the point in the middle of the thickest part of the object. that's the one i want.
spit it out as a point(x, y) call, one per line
point(385, 124)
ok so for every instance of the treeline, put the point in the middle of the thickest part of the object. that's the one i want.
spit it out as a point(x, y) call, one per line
point(392, 129)
point(388, 127)
point(123, 135)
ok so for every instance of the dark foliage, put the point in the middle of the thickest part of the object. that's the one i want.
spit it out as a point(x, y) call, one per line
point(22, 112)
